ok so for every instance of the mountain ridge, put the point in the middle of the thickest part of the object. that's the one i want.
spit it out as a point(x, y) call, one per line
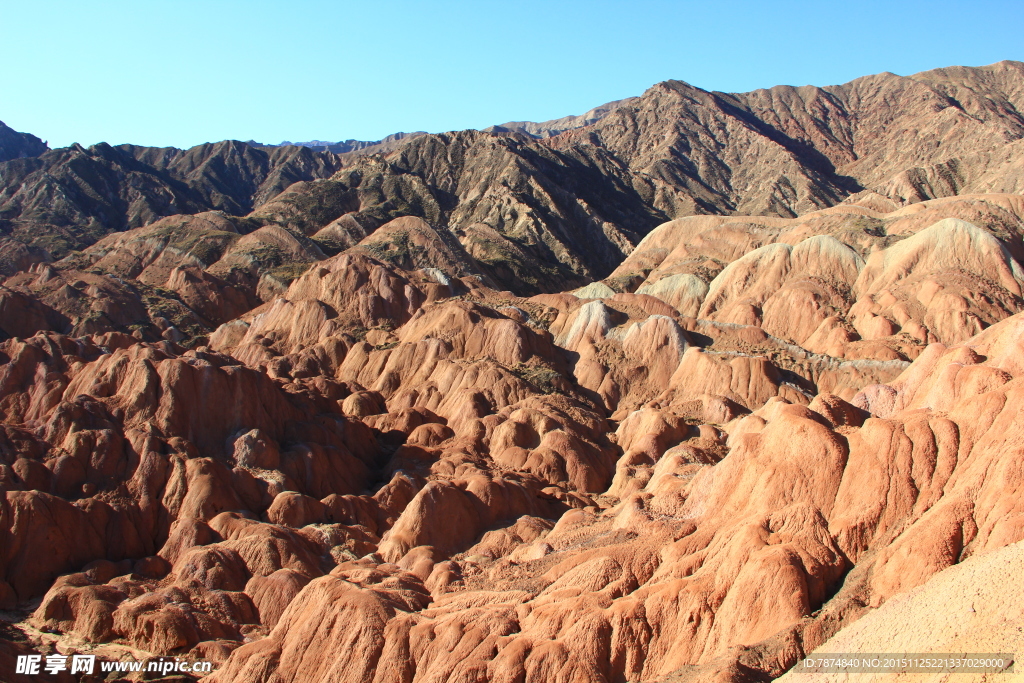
point(602, 179)
point(15, 145)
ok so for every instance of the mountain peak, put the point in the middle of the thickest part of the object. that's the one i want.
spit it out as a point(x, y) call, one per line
point(15, 145)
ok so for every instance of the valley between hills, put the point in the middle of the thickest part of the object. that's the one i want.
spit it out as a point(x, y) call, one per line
point(685, 388)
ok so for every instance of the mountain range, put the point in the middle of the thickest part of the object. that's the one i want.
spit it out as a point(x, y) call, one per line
point(603, 179)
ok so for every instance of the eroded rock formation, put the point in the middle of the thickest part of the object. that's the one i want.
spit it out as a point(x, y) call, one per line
point(345, 438)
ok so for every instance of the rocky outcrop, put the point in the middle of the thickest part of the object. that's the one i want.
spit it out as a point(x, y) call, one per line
point(786, 151)
point(964, 606)
point(546, 129)
point(848, 282)
point(15, 145)
point(751, 547)
point(66, 199)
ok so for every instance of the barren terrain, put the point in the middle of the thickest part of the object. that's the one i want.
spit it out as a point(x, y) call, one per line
point(682, 389)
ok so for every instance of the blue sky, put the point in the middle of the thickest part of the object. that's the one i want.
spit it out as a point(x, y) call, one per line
point(180, 73)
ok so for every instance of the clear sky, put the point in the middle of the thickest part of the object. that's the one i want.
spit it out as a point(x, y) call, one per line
point(179, 72)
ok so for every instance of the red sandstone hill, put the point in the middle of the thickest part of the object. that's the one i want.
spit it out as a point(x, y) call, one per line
point(327, 441)
point(387, 475)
